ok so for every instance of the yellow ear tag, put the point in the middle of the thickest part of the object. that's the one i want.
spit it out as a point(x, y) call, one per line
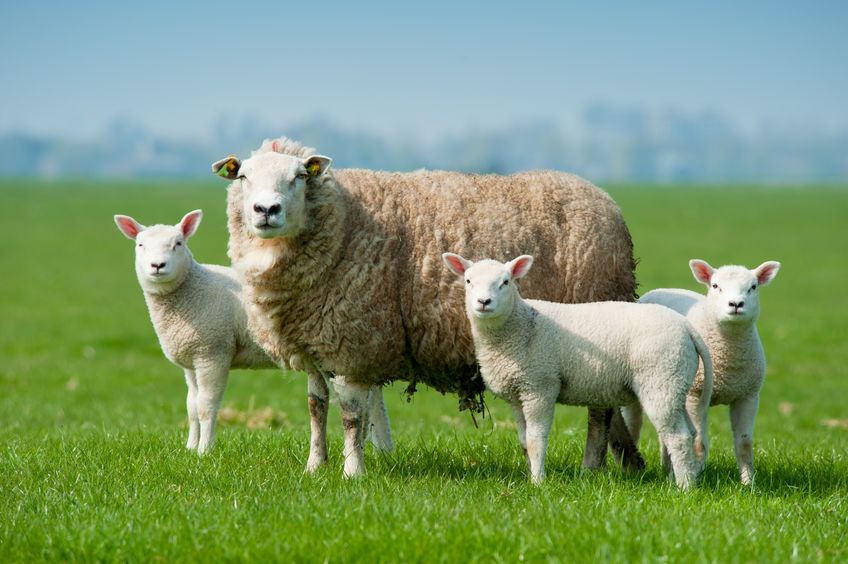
point(228, 168)
point(313, 169)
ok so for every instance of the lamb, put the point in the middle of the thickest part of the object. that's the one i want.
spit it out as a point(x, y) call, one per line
point(535, 354)
point(342, 267)
point(199, 318)
point(726, 318)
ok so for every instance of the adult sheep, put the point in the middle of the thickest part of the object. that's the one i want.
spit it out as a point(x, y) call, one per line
point(344, 268)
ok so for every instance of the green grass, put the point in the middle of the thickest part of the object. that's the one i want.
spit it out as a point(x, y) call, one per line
point(92, 415)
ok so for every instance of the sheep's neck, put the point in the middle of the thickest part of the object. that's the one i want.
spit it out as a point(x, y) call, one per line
point(168, 288)
point(506, 329)
point(176, 292)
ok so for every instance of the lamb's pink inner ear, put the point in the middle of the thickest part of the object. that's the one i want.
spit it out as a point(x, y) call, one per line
point(521, 266)
point(190, 223)
point(275, 146)
point(455, 263)
point(702, 271)
point(128, 226)
point(766, 272)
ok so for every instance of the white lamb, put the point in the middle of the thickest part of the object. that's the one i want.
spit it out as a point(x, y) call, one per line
point(535, 354)
point(726, 319)
point(199, 317)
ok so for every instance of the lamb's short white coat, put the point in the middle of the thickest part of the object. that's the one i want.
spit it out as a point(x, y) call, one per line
point(726, 319)
point(198, 313)
point(535, 354)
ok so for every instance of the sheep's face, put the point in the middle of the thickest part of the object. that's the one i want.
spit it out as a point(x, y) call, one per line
point(274, 192)
point(162, 257)
point(490, 291)
point(733, 292)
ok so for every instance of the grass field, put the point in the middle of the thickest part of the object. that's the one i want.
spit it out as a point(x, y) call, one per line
point(92, 415)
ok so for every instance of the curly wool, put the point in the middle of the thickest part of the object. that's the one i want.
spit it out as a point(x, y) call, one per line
point(362, 291)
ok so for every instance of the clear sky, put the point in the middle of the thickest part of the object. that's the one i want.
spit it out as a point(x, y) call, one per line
point(425, 69)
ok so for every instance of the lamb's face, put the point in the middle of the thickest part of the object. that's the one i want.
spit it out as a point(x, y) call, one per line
point(490, 291)
point(733, 292)
point(162, 257)
point(274, 192)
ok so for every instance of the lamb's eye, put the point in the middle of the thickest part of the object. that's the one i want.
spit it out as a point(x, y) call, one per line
point(468, 281)
point(505, 283)
point(241, 177)
point(140, 245)
point(179, 243)
point(754, 287)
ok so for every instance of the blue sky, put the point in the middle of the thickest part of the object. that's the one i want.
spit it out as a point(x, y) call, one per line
point(423, 70)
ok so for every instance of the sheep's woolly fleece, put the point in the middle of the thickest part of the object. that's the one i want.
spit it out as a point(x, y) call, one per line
point(362, 290)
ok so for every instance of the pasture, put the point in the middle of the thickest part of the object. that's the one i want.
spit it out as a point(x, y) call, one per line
point(92, 416)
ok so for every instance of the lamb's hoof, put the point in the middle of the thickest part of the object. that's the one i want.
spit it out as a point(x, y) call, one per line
point(313, 465)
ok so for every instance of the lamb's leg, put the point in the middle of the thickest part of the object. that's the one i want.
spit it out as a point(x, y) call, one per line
point(632, 415)
point(211, 383)
point(672, 425)
point(539, 415)
point(597, 436)
point(381, 431)
point(354, 403)
point(622, 444)
point(521, 425)
point(318, 400)
point(698, 411)
point(191, 409)
point(742, 414)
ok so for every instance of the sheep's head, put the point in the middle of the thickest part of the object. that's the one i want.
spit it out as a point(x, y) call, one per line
point(490, 292)
point(162, 258)
point(273, 189)
point(733, 292)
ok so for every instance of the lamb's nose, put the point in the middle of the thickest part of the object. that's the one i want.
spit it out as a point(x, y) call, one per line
point(736, 305)
point(158, 266)
point(274, 209)
point(484, 301)
point(259, 208)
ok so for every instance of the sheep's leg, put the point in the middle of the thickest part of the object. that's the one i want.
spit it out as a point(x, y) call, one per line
point(211, 383)
point(597, 437)
point(632, 415)
point(698, 411)
point(319, 396)
point(191, 409)
point(521, 425)
point(354, 403)
point(381, 431)
point(539, 415)
point(742, 414)
point(623, 446)
point(672, 426)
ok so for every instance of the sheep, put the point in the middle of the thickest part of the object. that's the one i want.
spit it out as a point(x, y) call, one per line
point(199, 318)
point(535, 354)
point(726, 318)
point(342, 267)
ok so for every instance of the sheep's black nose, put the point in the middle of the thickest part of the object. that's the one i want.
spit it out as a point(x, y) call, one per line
point(274, 209)
point(159, 266)
point(258, 208)
point(737, 305)
point(485, 301)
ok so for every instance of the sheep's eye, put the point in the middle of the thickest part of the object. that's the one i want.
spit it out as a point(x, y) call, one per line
point(715, 286)
point(140, 245)
point(468, 281)
point(754, 287)
point(179, 243)
point(505, 283)
point(241, 177)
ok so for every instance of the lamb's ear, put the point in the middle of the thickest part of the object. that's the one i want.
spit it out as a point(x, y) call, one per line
point(702, 271)
point(766, 272)
point(316, 165)
point(456, 263)
point(227, 167)
point(128, 226)
point(520, 266)
point(190, 222)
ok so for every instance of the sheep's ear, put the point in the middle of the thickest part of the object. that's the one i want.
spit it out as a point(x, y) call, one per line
point(227, 167)
point(519, 267)
point(456, 263)
point(128, 226)
point(190, 222)
point(766, 272)
point(702, 271)
point(316, 165)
